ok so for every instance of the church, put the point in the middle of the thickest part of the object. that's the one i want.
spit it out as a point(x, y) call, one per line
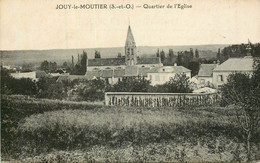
point(115, 69)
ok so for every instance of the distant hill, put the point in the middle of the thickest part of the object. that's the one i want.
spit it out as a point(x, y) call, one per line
point(19, 57)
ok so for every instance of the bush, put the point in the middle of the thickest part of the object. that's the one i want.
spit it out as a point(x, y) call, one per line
point(132, 84)
point(179, 84)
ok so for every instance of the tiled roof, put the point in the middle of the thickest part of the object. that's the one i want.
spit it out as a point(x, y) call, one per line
point(236, 64)
point(206, 70)
point(154, 60)
point(169, 69)
point(106, 62)
point(120, 61)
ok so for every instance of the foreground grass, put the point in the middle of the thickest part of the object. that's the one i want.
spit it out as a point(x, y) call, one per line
point(47, 131)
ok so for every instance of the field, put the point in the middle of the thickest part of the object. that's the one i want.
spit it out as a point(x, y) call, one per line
point(57, 131)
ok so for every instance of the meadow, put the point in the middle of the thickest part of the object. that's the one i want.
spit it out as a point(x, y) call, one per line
point(62, 131)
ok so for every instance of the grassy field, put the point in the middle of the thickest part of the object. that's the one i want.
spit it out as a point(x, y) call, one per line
point(49, 131)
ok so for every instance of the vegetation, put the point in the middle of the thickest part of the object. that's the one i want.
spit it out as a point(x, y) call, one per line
point(64, 131)
point(10, 85)
point(242, 91)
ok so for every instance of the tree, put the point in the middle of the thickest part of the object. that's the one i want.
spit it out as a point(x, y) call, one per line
point(162, 55)
point(194, 66)
point(197, 53)
point(218, 54)
point(242, 93)
point(45, 66)
point(97, 54)
point(191, 53)
point(132, 84)
point(52, 67)
point(179, 84)
point(158, 53)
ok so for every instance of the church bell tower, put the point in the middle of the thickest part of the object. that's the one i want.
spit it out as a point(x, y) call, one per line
point(130, 49)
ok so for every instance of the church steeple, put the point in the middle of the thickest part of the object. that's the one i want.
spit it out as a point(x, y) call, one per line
point(130, 49)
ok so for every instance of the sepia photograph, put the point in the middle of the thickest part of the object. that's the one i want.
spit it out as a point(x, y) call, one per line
point(130, 81)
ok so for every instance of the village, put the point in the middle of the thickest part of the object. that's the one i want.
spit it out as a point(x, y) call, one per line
point(208, 78)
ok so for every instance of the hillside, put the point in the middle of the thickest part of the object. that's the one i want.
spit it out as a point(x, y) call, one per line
point(19, 57)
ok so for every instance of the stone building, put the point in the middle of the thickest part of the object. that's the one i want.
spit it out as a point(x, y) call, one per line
point(131, 65)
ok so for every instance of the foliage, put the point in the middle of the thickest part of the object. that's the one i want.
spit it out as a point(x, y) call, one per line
point(242, 91)
point(97, 54)
point(49, 88)
point(48, 67)
point(151, 134)
point(10, 85)
point(93, 90)
point(131, 84)
point(81, 67)
point(179, 84)
point(162, 55)
point(197, 53)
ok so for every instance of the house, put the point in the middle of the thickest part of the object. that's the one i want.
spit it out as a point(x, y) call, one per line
point(34, 75)
point(161, 75)
point(232, 65)
point(205, 75)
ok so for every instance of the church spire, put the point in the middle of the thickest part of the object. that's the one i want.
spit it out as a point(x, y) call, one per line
point(130, 49)
point(129, 38)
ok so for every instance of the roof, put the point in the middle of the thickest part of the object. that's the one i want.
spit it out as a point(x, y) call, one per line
point(94, 74)
point(169, 69)
point(129, 38)
point(131, 71)
point(236, 64)
point(154, 60)
point(206, 70)
point(106, 62)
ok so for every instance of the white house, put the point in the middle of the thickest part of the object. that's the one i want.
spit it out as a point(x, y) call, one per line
point(232, 65)
point(34, 75)
point(161, 75)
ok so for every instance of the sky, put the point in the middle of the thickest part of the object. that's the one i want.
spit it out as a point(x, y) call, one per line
point(38, 25)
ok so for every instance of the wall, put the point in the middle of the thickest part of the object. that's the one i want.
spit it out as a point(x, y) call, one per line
point(224, 74)
point(146, 99)
point(206, 80)
point(161, 77)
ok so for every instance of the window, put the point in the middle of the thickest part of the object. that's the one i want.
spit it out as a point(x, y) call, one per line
point(163, 70)
point(132, 51)
point(220, 78)
point(150, 77)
